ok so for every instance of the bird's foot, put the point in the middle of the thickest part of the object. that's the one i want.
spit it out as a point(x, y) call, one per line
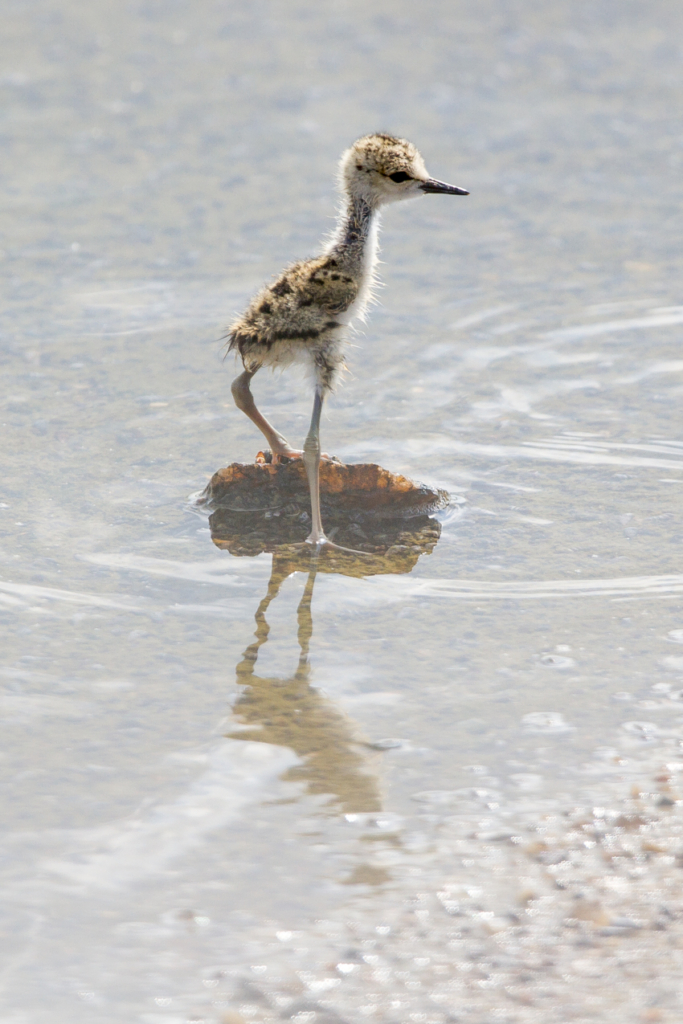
point(267, 457)
point(321, 543)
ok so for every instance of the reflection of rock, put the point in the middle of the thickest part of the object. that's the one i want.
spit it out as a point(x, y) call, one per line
point(263, 508)
point(392, 545)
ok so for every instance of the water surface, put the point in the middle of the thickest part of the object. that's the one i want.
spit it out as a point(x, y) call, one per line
point(438, 795)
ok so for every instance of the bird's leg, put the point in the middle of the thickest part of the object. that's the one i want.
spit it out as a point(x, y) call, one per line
point(244, 400)
point(312, 464)
point(305, 620)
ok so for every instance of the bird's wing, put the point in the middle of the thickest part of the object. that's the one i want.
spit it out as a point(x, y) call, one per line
point(329, 286)
point(297, 307)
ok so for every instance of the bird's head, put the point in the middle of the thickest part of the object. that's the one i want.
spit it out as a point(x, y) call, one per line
point(381, 169)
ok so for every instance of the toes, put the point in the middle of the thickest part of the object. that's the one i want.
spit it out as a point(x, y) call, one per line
point(266, 457)
point(281, 459)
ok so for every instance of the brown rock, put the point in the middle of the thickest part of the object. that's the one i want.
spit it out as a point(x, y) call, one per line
point(364, 489)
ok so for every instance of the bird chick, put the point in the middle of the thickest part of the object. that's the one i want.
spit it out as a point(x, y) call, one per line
point(305, 314)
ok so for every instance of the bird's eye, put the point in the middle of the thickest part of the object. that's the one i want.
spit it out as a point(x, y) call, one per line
point(399, 176)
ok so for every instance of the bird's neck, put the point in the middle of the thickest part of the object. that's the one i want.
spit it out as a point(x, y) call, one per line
point(355, 241)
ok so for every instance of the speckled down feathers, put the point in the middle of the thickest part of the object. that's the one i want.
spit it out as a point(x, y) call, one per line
point(296, 314)
point(384, 154)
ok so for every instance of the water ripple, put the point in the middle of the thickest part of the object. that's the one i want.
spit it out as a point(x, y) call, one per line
point(665, 319)
point(478, 590)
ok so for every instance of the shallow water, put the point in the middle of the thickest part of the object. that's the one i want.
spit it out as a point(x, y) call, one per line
point(385, 816)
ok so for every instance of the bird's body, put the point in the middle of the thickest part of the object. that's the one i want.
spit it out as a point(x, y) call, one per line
point(302, 315)
point(305, 314)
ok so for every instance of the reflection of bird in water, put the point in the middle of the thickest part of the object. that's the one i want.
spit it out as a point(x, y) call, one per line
point(302, 316)
point(290, 711)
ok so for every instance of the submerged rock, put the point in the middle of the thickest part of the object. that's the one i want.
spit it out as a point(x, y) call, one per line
point(383, 518)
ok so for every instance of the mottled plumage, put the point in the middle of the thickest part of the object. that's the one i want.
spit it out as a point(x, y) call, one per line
point(299, 316)
point(304, 315)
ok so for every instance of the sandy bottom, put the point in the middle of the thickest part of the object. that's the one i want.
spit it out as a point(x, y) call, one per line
point(538, 913)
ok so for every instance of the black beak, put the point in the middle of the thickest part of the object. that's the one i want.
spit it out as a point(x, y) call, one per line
point(432, 185)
